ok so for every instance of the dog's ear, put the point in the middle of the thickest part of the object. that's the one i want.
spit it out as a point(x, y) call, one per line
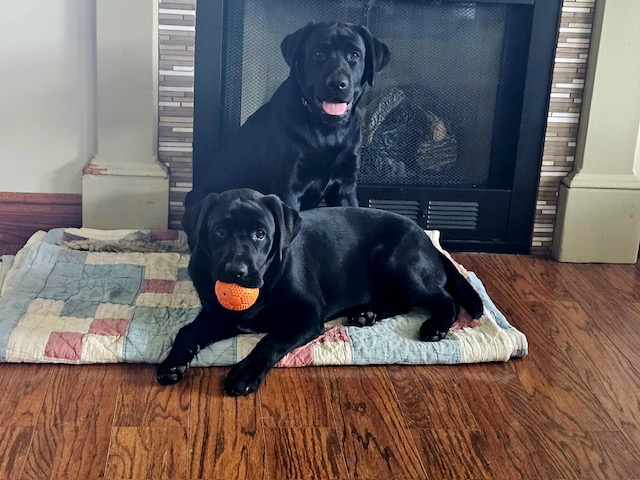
point(194, 220)
point(376, 57)
point(287, 220)
point(291, 44)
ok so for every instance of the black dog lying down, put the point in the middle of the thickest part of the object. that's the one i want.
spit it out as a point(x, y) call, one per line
point(310, 267)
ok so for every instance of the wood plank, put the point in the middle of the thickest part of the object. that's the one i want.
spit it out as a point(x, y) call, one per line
point(513, 450)
point(613, 311)
point(552, 395)
point(226, 433)
point(14, 444)
point(430, 397)
point(299, 422)
point(600, 455)
point(622, 279)
point(306, 453)
point(457, 454)
point(614, 380)
point(563, 401)
point(590, 350)
point(143, 402)
point(376, 441)
point(27, 385)
point(148, 452)
point(71, 438)
point(23, 214)
point(296, 398)
point(529, 278)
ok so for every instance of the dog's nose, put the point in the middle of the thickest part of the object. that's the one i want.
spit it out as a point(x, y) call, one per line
point(338, 82)
point(236, 269)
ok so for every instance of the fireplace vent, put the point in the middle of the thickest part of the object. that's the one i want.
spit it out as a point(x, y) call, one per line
point(452, 215)
point(408, 208)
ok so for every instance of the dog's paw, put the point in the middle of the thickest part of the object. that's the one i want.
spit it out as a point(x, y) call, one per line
point(168, 374)
point(243, 380)
point(364, 319)
point(431, 333)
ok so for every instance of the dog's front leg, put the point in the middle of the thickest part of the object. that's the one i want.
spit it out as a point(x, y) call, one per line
point(247, 375)
point(341, 190)
point(192, 338)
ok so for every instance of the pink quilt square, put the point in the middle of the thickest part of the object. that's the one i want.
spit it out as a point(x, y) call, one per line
point(64, 345)
point(109, 326)
point(158, 286)
point(300, 357)
point(333, 334)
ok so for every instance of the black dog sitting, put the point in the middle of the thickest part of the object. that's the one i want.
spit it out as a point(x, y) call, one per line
point(304, 144)
point(310, 267)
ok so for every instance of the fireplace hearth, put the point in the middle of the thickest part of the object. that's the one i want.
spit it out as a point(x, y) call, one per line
point(454, 126)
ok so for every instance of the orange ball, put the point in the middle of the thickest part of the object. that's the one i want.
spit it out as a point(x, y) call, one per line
point(235, 297)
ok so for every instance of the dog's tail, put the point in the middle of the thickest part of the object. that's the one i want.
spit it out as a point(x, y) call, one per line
point(460, 289)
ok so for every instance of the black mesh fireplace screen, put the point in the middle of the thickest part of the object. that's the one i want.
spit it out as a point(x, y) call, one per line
point(452, 129)
point(434, 116)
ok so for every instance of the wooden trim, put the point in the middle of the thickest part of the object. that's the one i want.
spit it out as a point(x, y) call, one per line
point(23, 214)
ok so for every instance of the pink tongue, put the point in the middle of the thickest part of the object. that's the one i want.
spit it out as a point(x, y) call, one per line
point(334, 108)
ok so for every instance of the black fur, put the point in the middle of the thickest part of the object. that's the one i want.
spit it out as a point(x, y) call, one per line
point(310, 267)
point(290, 146)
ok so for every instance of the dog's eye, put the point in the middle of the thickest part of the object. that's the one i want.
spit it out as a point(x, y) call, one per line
point(353, 56)
point(319, 55)
point(220, 232)
point(259, 234)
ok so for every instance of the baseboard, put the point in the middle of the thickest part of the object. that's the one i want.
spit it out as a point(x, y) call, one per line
point(597, 225)
point(23, 214)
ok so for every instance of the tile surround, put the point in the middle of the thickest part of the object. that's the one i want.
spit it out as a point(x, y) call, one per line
point(175, 98)
point(176, 42)
point(564, 115)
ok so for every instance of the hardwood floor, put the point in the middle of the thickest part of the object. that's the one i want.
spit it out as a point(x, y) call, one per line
point(570, 410)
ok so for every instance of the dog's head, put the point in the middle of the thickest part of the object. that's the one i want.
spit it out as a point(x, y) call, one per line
point(238, 234)
point(332, 62)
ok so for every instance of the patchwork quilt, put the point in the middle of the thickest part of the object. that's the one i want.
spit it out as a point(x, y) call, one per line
point(90, 296)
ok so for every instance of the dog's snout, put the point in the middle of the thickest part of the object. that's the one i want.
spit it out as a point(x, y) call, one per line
point(338, 82)
point(238, 270)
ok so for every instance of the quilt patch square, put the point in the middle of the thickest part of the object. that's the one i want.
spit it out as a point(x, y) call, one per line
point(109, 326)
point(333, 334)
point(313, 353)
point(79, 309)
point(158, 286)
point(102, 348)
point(164, 266)
point(64, 345)
point(300, 357)
point(332, 353)
point(72, 280)
point(183, 274)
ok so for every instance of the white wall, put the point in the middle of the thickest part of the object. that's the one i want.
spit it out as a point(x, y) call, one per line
point(47, 113)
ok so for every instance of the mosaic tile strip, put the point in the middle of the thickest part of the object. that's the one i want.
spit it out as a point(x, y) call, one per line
point(565, 105)
point(176, 33)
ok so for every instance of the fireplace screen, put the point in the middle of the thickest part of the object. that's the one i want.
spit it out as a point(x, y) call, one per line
point(453, 127)
point(433, 116)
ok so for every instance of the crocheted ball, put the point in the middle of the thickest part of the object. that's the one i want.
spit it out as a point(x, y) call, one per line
point(235, 297)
